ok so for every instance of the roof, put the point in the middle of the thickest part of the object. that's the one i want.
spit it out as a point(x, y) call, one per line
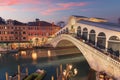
point(39, 23)
point(105, 25)
point(15, 22)
point(79, 16)
point(99, 18)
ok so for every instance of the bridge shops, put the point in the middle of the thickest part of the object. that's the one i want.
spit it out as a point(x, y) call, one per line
point(97, 31)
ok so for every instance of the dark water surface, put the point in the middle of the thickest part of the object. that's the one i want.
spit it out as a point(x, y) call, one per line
point(9, 63)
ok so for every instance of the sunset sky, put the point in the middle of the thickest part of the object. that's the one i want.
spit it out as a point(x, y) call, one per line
point(58, 10)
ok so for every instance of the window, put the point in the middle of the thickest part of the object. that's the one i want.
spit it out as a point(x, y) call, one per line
point(16, 38)
point(24, 32)
point(5, 27)
point(12, 32)
point(16, 32)
point(23, 27)
point(24, 38)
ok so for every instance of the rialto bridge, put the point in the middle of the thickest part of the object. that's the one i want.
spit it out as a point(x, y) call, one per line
point(97, 39)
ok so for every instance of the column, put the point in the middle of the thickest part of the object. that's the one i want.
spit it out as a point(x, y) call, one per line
point(61, 68)
point(88, 37)
point(52, 78)
point(95, 41)
point(57, 72)
point(6, 75)
point(26, 71)
point(106, 45)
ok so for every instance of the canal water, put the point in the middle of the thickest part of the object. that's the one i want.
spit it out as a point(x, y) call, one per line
point(44, 60)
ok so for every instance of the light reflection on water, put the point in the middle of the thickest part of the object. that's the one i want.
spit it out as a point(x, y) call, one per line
point(9, 63)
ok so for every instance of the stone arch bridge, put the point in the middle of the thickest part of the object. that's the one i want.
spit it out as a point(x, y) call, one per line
point(96, 38)
point(95, 58)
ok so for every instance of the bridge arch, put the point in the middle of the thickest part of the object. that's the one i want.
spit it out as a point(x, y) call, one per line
point(58, 43)
point(95, 58)
point(101, 40)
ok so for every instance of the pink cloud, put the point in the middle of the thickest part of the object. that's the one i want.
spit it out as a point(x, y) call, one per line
point(6, 8)
point(49, 11)
point(17, 2)
point(63, 6)
point(71, 4)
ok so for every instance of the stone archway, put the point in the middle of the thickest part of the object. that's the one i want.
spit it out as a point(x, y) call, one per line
point(66, 31)
point(101, 40)
point(114, 45)
point(92, 36)
point(85, 34)
point(95, 58)
point(79, 32)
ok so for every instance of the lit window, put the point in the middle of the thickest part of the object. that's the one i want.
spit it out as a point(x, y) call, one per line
point(5, 27)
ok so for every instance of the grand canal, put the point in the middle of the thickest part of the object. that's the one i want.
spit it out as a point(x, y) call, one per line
point(9, 63)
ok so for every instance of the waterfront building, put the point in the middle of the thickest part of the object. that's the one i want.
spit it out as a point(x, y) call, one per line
point(14, 34)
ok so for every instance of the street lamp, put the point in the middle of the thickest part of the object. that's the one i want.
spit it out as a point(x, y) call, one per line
point(69, 72)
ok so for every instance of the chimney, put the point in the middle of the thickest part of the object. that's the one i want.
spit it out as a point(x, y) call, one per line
point(37, 20)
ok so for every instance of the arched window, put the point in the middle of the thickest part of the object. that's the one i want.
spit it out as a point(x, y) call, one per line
point(101, 40)
point(79, 32)
point(67, 31)
point(92, 31)
point(92, 36)
point(85, 34)
point(101, 34)
point(114, 38)
point(85, 29)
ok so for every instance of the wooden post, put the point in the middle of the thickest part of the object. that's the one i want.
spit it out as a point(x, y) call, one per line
point(52, 78)
point(19, 72)
point(6, 75)
point(57, 72)
point(61, 69)
point(18, 69)
point(26, 71)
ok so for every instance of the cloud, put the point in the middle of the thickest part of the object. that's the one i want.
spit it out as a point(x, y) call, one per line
point(17, 2)
point(71, 4)
point(63, 6)
point(6, 8)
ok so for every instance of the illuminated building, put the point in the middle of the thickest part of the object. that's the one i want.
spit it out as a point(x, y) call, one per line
point(14, 34)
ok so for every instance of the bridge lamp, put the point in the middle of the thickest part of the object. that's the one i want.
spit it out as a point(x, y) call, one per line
point(70, 67)
point(75, 71)
point(69, 72)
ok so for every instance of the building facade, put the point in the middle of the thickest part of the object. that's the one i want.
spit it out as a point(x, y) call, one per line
point(14, 34)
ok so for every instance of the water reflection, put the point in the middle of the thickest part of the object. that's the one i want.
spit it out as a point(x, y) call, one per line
point(49, 53)
point(9, 63)
point(34, 55)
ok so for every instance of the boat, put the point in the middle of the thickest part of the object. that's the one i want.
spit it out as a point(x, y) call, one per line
point(38, 75)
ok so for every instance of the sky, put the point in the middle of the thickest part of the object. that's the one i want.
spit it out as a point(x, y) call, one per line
point(58, 10)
